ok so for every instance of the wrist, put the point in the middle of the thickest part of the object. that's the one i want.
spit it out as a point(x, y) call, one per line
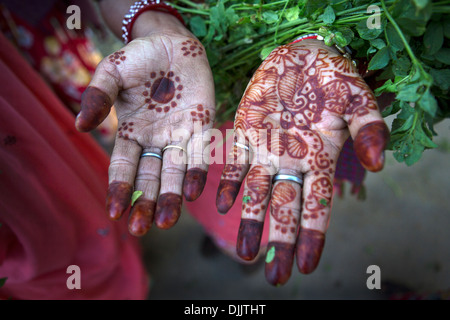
point(157, 22)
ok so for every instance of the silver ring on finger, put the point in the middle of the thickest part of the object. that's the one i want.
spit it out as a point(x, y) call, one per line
point(174, 147)
point(288, 177)
point(242, 146)
point(151, 154)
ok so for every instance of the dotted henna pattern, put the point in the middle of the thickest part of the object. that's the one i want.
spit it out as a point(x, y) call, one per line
point(203, 115)
point(125, 129)
point(163, 91)
point(117, 57)
point(192, 48)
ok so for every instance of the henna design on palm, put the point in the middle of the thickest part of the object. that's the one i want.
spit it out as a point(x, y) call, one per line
point(308, 99)
point(156, 106)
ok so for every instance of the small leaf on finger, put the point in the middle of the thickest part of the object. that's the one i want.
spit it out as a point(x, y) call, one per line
point(136, 196)
point(270, 255)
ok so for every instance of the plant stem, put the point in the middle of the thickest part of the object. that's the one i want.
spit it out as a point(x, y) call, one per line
point(400, 33)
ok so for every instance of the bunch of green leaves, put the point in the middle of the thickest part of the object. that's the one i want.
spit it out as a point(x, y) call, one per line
point(405, 42)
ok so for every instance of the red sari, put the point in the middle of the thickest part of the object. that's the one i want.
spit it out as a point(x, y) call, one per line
point(53, 183)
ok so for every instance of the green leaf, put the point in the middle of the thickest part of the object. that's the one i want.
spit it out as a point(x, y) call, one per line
point(378, 43)
point(423, 138)
point(323, 202)
point(270, 255)
point(406, 149)
point(313, 8)
point(400, 125)
point(366, 33)
point(428, 103)
point(136, 196)
point(409, 91)
point(433, 37)
point(328, 15)
point(292, 14)
point(388, 86)
point(246, 199)
point(348, 35)
point(411, 19)
point(420, 4)
point(401, 66)
point(231, 16)
point(198, 26)
point(270, 17)
point(393, 38)
point(441, 78)
point(266, 51)
point(380, 59)
point(392, 109)
point(446, 28)
point(443, 55)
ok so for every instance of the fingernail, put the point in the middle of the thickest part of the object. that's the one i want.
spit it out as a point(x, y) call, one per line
point(118, 199)
point(95, 106)
point(249, 238)
point(194, 182)
point(168, 210)
point(279, 260)
point(370, 143)
point(141, 217)
point(309, 249)
point(226, 195)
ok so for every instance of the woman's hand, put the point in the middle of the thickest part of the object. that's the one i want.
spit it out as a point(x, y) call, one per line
point(297, 111)
point(162, 88)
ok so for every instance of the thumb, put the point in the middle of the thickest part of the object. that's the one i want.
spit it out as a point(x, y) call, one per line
point(368, 130)
point(97, 99)
point(370, 143)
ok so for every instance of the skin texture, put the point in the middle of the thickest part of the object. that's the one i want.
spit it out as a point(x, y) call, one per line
point(151, 81)
point(296, 113)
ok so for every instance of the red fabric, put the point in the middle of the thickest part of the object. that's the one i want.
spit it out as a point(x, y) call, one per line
point(53, 183)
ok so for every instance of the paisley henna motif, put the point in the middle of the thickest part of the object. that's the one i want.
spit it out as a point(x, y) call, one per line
point(297, 105)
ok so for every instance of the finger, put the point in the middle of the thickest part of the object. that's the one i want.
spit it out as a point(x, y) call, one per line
point(147, 181)
point(284, 218)
point(367, 128)
point(197, 167)
point(317, 195)
point(370, 143)
point(233, 174)
point(122, 172)
point(99, 96)
point(254, 205)
point(168, 208)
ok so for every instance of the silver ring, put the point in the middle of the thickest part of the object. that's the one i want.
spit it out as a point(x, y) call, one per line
point(173, 146)
point(242, 146)
point(288, 177)
point(151, 154)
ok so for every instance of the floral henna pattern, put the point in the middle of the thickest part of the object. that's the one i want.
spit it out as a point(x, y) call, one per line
point(163, 91)
point(117, 57)
point(298, 106)
point(284, 218)
point(258, 188)
point(192, 48)
point(292, 91)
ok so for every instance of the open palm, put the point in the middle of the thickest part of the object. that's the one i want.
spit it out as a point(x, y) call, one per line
point(162, 89)
point(296, 113)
